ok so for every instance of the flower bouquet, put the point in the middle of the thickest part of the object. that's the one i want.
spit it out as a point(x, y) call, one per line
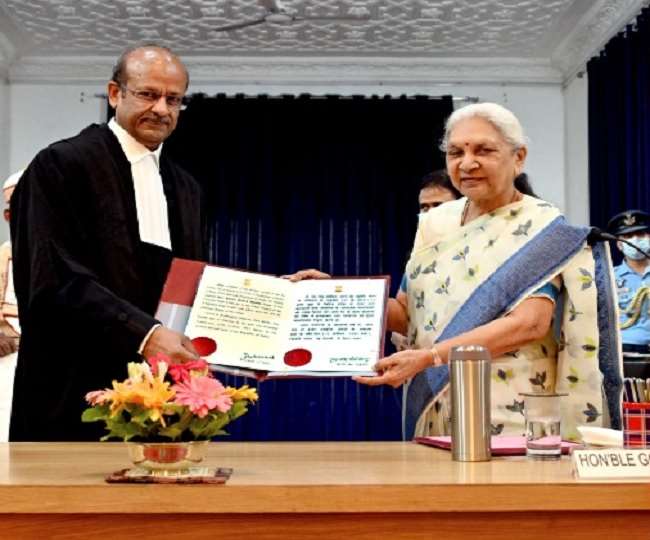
point(163, 402)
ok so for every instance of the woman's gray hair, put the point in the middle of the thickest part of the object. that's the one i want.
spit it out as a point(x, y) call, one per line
point(501, 118)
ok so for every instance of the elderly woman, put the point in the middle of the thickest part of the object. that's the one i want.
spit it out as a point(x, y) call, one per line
point(503, 270)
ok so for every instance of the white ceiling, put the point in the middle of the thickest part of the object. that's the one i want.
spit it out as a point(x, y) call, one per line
point(543, 41)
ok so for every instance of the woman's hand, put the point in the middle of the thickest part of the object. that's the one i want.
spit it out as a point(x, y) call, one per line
point(398, 368)
point(310, 273)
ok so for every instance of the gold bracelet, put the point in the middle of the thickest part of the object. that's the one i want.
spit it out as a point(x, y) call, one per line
point(437, 360)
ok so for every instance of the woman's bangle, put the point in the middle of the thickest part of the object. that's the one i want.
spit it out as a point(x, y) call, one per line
point(437, 360)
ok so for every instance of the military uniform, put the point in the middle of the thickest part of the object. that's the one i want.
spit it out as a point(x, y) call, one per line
point(634, 305)
point(633, 287)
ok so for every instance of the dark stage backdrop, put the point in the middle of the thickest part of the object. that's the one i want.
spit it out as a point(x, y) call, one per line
point(619, 124)
point(299, 182)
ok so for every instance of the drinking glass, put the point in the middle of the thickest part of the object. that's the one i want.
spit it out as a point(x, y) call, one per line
point(543, 438)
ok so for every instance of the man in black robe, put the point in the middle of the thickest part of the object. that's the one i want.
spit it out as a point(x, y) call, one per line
point(87, 281)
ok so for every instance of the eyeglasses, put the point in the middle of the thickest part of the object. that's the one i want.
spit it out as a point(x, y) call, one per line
point(151, 97)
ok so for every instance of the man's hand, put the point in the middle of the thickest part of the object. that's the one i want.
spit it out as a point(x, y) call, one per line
point(7, 345)
point(177, 346)
point(397, 368)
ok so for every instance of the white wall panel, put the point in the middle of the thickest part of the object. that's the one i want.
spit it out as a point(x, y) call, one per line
point(577, 150)
point(40, 114)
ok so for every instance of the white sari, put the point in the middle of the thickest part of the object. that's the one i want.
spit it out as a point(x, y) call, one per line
point(450, 263)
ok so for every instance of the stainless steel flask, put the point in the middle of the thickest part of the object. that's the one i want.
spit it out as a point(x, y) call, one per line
point(469, 376)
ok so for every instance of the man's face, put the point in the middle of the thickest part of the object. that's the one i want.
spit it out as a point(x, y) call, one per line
point(149, 72)
point(433, 196)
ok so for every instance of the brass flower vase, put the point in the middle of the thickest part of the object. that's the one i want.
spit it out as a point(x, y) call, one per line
point(168, 458)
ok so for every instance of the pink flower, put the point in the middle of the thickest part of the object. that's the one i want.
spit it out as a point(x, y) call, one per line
point(157, 359)
point(183, 372)
point(97, 397)
point(202, 395)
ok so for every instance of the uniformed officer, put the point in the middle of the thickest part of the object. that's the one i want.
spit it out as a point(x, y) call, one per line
point(633, 279)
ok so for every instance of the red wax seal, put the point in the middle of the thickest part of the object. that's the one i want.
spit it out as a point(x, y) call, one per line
point(204, 346)
point(297, 357)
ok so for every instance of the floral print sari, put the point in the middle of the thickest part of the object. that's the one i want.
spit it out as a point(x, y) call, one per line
point(450, 262)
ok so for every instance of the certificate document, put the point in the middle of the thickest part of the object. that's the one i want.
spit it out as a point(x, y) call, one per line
point(272, 327)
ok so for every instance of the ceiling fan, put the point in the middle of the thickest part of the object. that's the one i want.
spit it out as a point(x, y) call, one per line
point(278, 13)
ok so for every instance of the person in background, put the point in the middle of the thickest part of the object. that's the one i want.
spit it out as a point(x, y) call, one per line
point(95, 222)
point(633, 279)
point(9, 326)
point(435, 189)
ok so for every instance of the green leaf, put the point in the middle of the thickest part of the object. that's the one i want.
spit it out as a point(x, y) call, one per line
point(210, 426)
point(238, 409)
point(174, 408)
point(115, 432)
point(237, 414)
point(197, 425)
point(132, 430)
point(220, 421)
point(140, 417)
point(119, 427)
point(175, 430)
point(215, 426)
point(96, 413)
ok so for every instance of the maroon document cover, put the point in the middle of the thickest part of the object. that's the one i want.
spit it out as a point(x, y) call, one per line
point(182, 281)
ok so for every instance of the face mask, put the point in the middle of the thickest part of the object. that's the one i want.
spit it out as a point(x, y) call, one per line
point(631, 253)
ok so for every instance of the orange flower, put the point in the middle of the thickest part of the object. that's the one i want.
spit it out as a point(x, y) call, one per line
point(142, 388)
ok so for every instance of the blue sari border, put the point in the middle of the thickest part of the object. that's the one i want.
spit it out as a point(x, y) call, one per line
point(609, 350)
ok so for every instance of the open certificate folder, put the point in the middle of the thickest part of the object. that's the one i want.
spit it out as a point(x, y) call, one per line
point(259, 325)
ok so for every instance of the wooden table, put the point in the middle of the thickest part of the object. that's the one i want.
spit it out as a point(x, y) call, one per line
point(310, 490)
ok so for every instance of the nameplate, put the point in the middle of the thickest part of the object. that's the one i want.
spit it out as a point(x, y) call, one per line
point(611, 463)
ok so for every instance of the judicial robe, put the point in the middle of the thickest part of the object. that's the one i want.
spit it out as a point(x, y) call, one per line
point(87, 287)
